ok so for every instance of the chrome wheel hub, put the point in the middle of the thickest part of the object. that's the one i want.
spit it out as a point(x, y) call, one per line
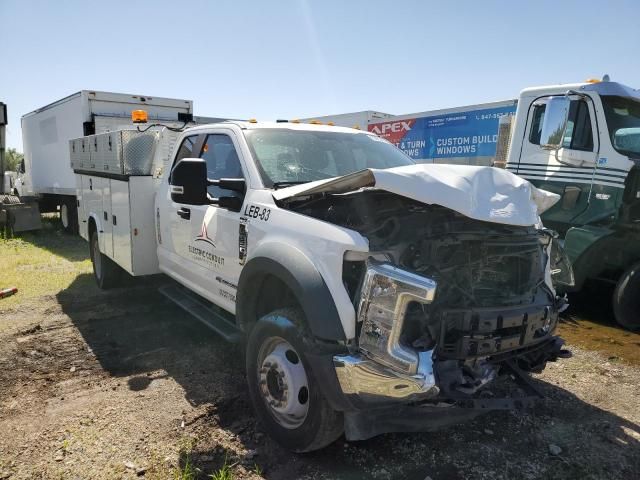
point(283, 383)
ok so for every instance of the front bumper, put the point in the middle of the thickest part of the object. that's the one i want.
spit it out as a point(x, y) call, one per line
point(384, 401)
point(388, 370)
point(368, 382)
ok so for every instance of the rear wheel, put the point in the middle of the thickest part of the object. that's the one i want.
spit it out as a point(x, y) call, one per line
point(69, 215)
point(284, 392)
point(105, 271)
point(626, 299)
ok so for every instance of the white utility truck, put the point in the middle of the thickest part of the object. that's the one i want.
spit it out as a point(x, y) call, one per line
point(372, 294)
point(46, 175)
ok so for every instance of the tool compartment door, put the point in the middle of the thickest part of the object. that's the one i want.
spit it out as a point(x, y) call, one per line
point(107, 226)
point(143, 229)
point(82, 209)
point(121, 224)
point(91, 201)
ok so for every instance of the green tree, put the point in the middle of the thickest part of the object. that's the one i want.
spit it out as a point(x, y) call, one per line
point(12, 159)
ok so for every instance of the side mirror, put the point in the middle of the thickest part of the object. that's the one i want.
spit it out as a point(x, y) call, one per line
point(627, 139)
point(188, 182)
point(554, 124)
point(22, 168)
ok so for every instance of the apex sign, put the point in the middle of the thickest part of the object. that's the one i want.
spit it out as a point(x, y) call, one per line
point(392, 131)
point(395, 127)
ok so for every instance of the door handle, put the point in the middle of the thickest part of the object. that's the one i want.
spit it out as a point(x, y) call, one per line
point(185, 213)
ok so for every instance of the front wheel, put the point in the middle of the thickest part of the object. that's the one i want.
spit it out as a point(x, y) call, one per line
point(626, 299)
point(105, 270)
point(284, 392)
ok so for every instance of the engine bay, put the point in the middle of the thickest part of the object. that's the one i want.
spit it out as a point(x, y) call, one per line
point(492, 304)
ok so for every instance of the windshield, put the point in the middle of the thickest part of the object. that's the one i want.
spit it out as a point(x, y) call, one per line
point(288, 156)
point(623, 122)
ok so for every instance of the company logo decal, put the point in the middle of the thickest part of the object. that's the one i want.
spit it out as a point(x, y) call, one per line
point(387, 128)
point(203, 236)
point(205, 254)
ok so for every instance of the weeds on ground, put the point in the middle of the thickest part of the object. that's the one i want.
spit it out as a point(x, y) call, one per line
point(187, 471)
point(225, 473)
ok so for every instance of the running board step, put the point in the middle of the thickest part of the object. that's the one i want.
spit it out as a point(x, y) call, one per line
point(205, 313)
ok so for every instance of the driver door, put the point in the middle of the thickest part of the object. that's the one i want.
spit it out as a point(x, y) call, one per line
point(206, 237)
point(567, 171)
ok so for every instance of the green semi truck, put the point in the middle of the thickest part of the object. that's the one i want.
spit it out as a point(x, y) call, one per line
point(582, 141)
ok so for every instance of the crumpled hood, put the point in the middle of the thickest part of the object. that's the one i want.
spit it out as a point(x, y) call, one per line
point(482, 193)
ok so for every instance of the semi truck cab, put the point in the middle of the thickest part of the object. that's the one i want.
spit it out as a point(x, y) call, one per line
point(582, 142)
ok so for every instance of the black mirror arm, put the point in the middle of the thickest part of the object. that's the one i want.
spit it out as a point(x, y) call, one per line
point(234, 184)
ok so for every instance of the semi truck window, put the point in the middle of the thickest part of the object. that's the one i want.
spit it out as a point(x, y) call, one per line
point(222, 162)
point(577, 136)
point(536, 124)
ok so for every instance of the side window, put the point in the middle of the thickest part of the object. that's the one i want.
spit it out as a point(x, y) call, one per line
point(536, 123)
point(578, 134)
point(222, 162)
point(185, 150)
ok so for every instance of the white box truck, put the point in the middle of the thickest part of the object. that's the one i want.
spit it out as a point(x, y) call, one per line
point(357, 120)
point(373, 294)
point(46, 173)
point(462, 135)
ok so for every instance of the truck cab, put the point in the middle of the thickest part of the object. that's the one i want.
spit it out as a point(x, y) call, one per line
point(582, 142)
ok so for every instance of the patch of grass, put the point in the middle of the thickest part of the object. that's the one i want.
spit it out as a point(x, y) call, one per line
point(224, 473)
point(187, 471)
point(41, 263)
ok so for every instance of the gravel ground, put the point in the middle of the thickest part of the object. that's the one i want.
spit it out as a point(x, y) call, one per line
point(124, 385)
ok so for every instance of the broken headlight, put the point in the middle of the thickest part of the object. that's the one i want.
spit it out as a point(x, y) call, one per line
point(387, 291)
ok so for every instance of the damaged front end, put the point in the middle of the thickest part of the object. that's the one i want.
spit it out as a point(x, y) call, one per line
point(447, 307)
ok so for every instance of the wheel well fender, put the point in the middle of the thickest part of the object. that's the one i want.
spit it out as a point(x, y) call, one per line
point(297, 273)
point(94, 224)
point(596, 250)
